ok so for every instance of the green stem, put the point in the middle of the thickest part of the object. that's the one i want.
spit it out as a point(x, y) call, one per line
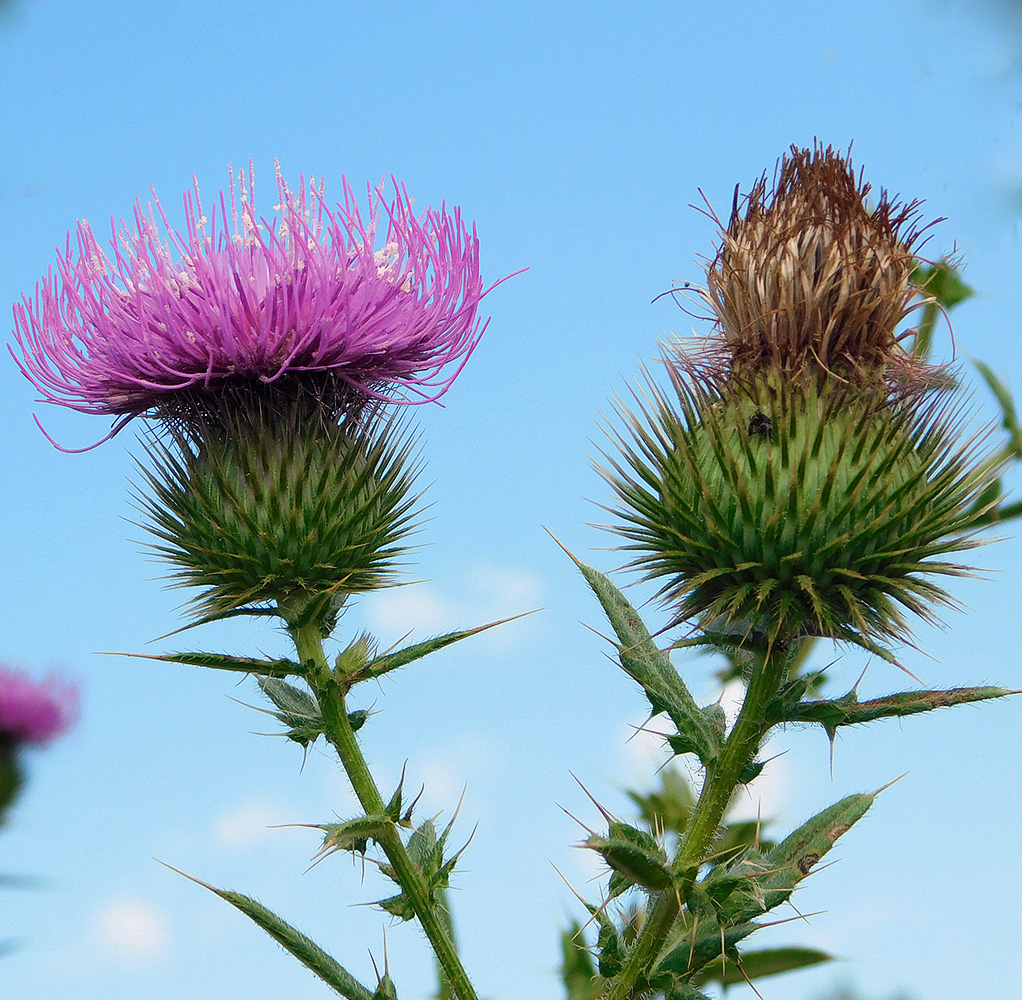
point(444, 906)
point(309, 645)
point(722, 776)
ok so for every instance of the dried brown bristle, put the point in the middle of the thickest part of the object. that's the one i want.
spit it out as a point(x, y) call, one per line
point(808, 278)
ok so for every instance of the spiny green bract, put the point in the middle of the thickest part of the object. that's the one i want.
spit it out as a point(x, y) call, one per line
point(268, 505)
point(797, 507)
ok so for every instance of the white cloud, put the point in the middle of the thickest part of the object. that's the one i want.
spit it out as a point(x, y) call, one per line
point(134, 931)
point(415, 608)
point(488, 593)
point(644, 751)
point(445, 776)
point(247, 823)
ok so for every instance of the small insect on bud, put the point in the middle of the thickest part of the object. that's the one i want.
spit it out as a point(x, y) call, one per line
point(762, 425)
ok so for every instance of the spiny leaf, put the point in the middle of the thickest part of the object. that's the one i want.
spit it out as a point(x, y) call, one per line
point(635, 856)
point(578, 970)
point(386, 990)
point(303, 948)
point(222, 661)
point(758, 964)
point(391, 661)
point(942, 281)
point(670, 807)
point(1007, 404)
point(354, 834)
point(774, 874)
point(849, 711)
point(693, 953)
point(299, 710)
point(290, 699)
point(652, 669)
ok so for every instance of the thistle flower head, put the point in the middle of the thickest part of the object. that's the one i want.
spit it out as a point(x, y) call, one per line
point(357, 305)
point(33, 713)
point(809, 278)
point(795, 482)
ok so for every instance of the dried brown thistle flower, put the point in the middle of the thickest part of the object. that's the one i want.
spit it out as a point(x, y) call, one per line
point(799, 480)
point(809, 279)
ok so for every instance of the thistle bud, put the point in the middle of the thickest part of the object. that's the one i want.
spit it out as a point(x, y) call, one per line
point(276, 503)
point(804, 474)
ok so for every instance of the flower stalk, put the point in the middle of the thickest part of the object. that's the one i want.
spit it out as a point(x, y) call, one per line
point(722, 779)
point(338, 731)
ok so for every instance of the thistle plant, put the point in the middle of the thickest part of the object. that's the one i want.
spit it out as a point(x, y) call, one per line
point(32, 714)
point(269, 357)
point(805, 474)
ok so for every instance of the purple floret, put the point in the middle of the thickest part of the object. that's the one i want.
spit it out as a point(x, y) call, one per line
point(240, 297)
point(34, 713)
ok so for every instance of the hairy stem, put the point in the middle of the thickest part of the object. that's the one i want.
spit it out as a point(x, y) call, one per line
point(338, 730)
point(739, 749)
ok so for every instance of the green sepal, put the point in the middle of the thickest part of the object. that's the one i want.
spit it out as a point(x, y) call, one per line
point(222, 661)
point(354, 834)
point(298, 710)
point(635, 857)
point(652, 669)
point(759, 964)
point(294, 941)
point(849, 711)
point(381, 665)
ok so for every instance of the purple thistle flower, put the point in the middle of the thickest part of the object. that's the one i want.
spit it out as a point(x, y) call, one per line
point(239, 298)
point(34, 713)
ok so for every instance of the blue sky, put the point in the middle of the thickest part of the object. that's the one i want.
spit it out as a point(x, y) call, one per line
point(576, 136)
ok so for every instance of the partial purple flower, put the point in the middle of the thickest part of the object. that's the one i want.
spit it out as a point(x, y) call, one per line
point(34, 713)
point(382, 305)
